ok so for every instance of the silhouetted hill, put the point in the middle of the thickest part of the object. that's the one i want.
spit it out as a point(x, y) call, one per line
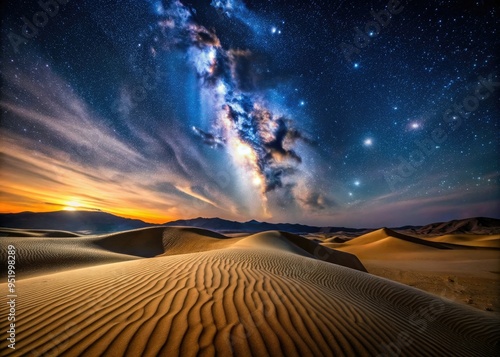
point(101, 222)
point(253, 226)
point(75, 221)
point(478, 225)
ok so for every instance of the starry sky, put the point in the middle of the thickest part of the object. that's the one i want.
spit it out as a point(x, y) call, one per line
point(353, 113)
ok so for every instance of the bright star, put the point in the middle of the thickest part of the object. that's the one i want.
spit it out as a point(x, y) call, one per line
point(357, 183)
point(274, 30)
point(415, 126)
point(356, 65)
point(368, 142)
point(302, 103)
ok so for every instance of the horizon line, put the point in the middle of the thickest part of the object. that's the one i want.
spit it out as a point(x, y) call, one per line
point(236, 221)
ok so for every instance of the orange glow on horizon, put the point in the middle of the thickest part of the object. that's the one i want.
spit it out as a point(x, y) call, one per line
point(40, 183)
point(148, 217)
point(72, 206)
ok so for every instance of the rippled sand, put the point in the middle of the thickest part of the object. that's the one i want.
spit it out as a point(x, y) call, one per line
point(184, 291)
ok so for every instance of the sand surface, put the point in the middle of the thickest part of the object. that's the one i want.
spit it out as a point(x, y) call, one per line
point(464, 268)
point(185, 291)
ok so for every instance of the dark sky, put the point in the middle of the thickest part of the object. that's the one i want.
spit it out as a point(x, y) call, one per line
point(321, 112)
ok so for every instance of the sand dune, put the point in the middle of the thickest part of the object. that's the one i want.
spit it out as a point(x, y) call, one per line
point(12, 232)
point(477, 225)
point(265, 294)
point(295, 244)
point(385, 242)
point(482, 241)
point(464, 268)
point(41, 256)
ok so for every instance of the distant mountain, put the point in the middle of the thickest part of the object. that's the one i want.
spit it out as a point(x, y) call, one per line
point(101, 222)
point(478, 225)
point(221, 225)
point(74, 221)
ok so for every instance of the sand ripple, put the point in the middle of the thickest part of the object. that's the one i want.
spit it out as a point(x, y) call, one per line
point(245, 299)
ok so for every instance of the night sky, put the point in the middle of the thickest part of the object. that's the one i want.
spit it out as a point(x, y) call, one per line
point(355, 113)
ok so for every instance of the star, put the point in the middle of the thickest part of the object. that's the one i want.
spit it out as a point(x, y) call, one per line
point(368, 142)
point(415, 126)
point(357, 183)
point(275, 30)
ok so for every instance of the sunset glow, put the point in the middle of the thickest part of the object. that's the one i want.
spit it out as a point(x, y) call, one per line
point(72, 206)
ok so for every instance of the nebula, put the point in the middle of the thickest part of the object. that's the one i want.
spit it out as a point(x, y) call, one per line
point(258, 139)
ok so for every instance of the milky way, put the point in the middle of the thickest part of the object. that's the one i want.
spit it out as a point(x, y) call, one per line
point(255, 136)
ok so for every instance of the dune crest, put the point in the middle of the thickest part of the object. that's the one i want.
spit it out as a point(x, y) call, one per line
point(469, 240)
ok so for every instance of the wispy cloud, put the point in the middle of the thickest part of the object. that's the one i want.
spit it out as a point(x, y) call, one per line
point(55, 150)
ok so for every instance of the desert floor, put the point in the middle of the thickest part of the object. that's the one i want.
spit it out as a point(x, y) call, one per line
point(186, 291)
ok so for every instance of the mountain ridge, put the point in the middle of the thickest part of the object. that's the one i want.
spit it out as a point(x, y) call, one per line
point(103, 222)
point(478, 225)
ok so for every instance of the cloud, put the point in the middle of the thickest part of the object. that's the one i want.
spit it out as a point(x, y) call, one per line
point(236, 9)
point(56, 150)
point(230, 7)
point(393, 211)
point(208, 138)
point(316, 201)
